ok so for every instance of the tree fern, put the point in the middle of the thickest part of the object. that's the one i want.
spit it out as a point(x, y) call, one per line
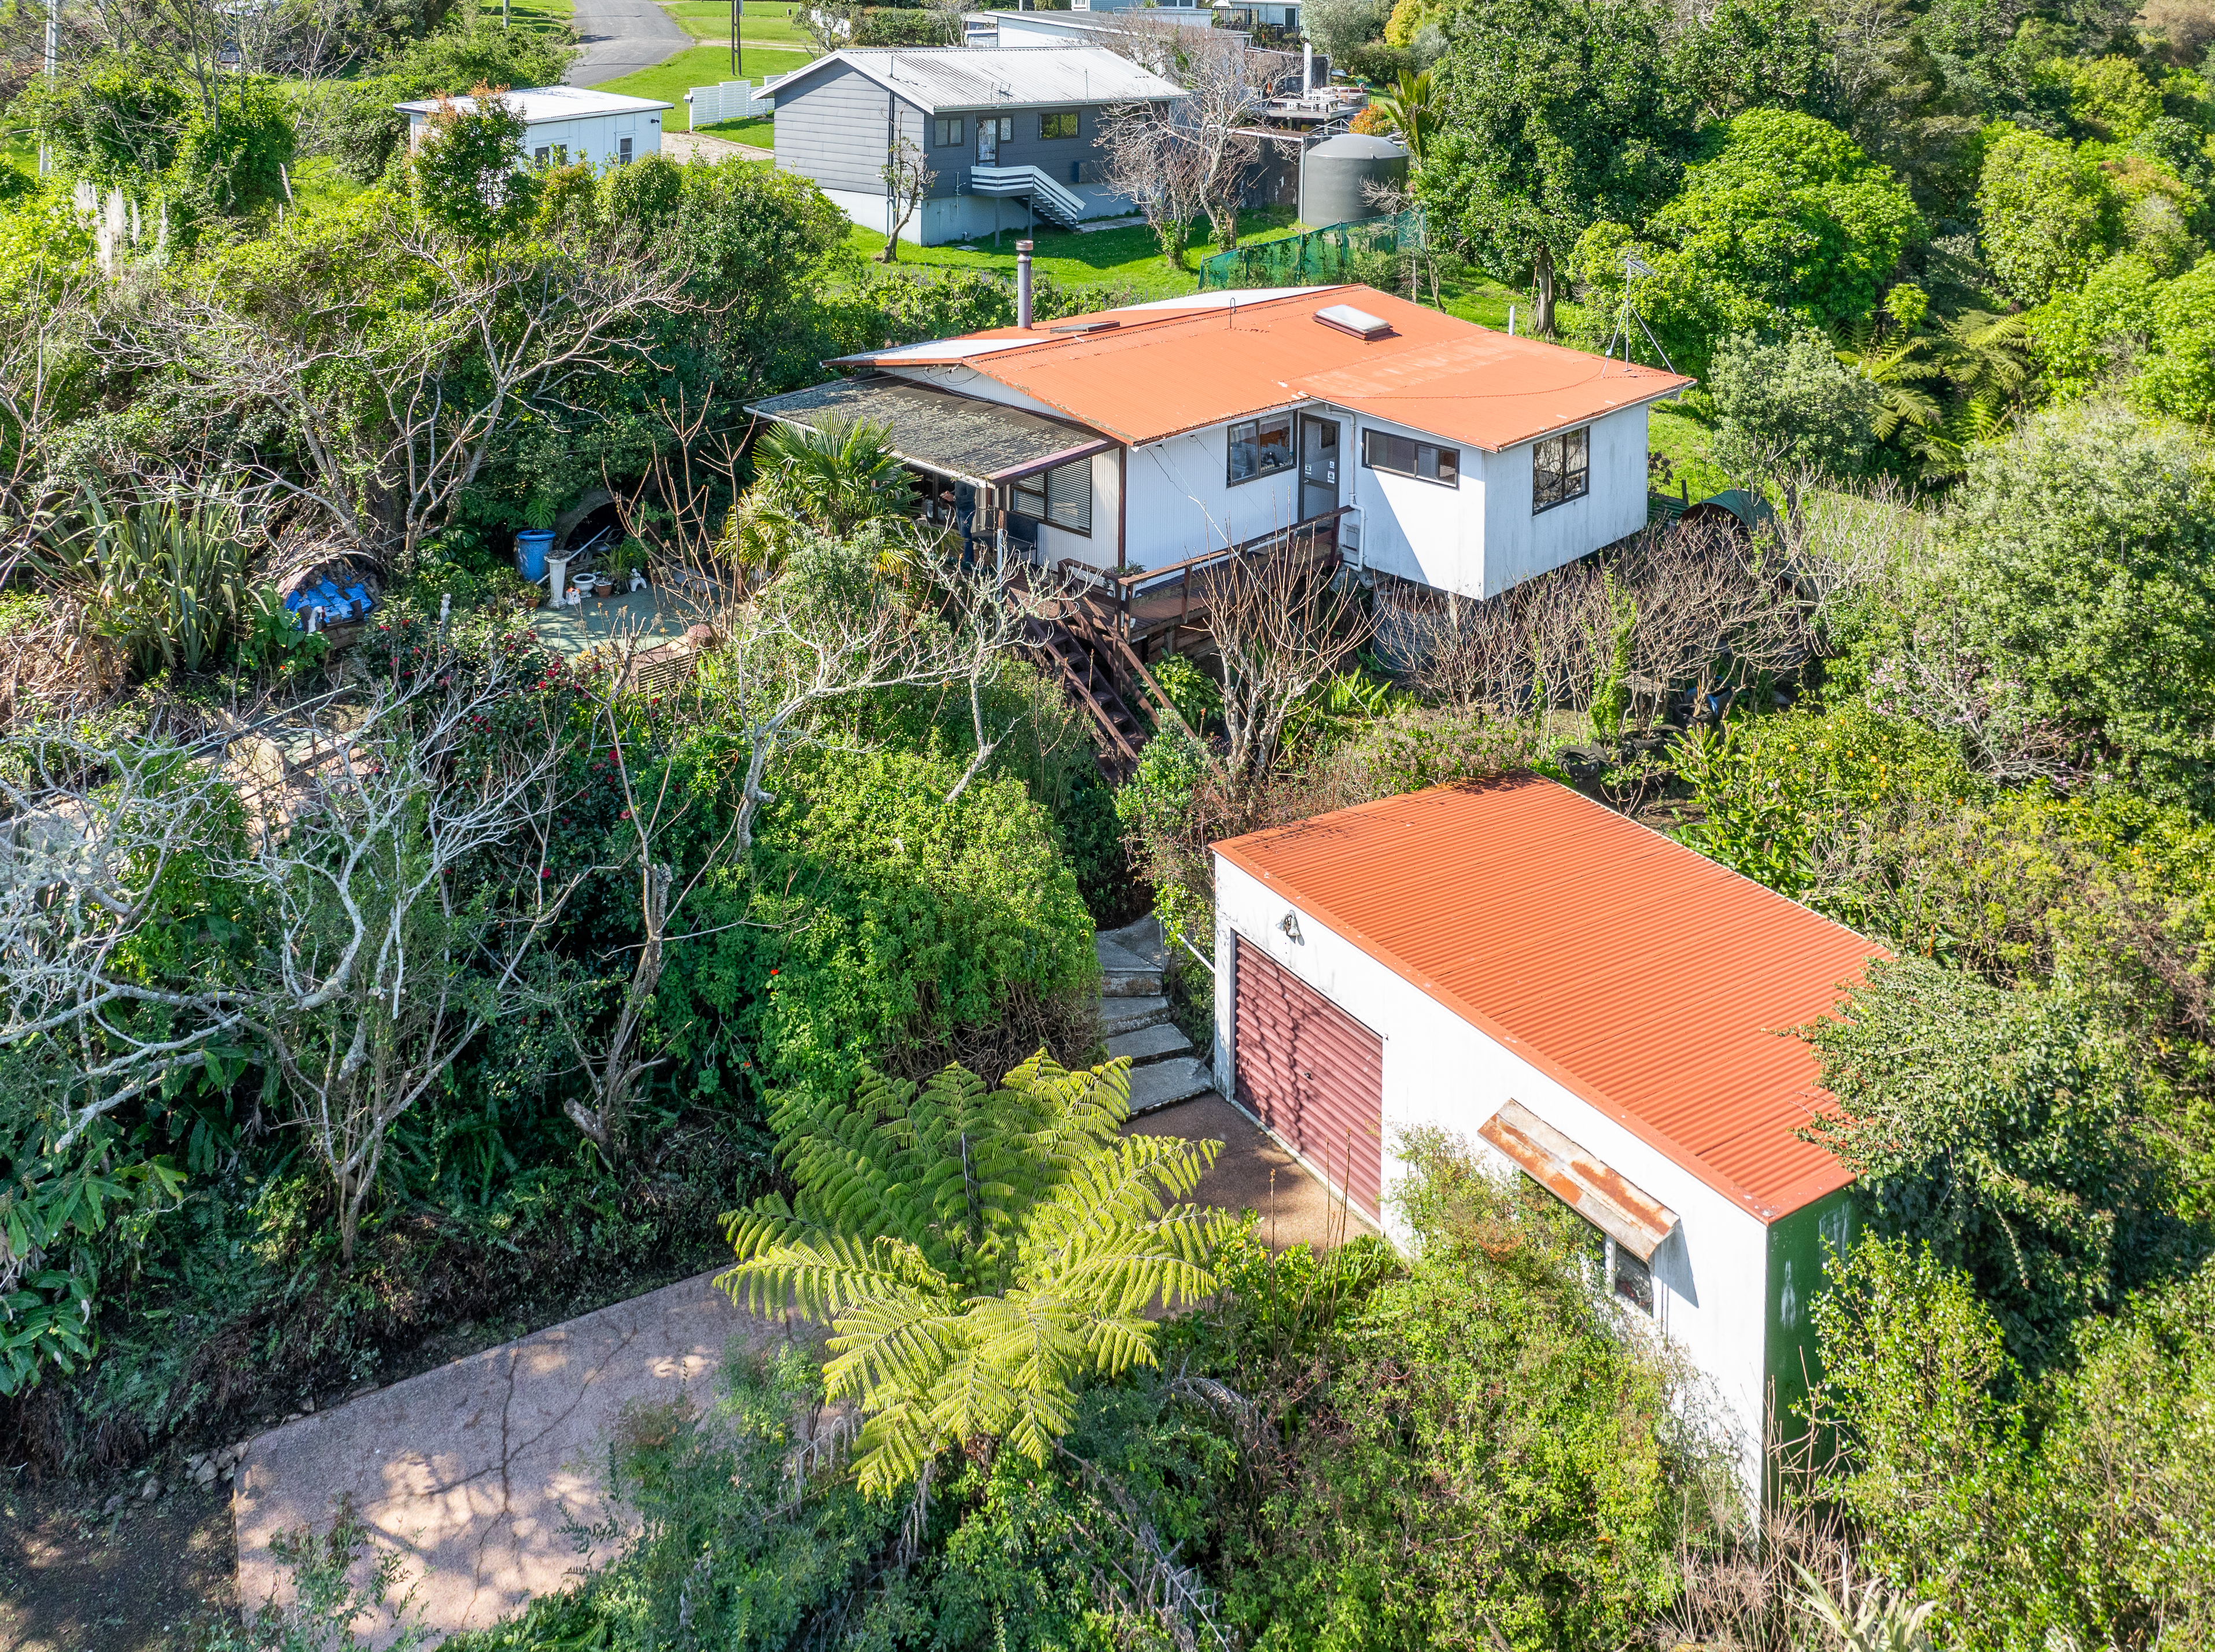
point(976, 1252)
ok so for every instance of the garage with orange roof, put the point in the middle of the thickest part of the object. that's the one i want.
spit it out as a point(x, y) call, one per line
point(1585, 1002)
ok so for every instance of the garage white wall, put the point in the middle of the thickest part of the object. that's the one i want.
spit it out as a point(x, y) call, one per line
point(1710, 1276)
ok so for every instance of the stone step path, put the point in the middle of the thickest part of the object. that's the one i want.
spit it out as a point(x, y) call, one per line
point(1164, 1068)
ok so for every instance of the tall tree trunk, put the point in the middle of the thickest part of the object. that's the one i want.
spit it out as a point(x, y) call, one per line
point(1541, 275)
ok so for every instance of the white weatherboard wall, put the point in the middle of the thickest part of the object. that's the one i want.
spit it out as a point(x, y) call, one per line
point(1710, 1276)
point(1482, 538)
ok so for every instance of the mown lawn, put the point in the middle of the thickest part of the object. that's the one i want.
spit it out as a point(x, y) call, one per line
point(1128, 255)
point(770, 22)
point(704, 66)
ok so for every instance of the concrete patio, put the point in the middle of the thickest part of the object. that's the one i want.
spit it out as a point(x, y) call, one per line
point(649, 616)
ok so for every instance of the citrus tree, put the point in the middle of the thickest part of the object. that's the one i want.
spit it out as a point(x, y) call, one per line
point(976, 1252)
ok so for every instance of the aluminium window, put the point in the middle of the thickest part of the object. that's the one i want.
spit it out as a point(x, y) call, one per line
point(947, 130)
point(1062, 124)
point(1560, 469)
point(1410, 455)
point(540, 155)
point(622, 151)
point(1061, 496)
point(1259, 447)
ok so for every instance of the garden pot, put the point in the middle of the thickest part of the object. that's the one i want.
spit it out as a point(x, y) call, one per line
point(606, 587)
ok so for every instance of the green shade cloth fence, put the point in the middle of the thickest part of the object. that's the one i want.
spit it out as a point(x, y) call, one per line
point(1338, 252)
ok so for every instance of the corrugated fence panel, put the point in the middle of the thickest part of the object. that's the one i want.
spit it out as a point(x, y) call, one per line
point(1311, 1072)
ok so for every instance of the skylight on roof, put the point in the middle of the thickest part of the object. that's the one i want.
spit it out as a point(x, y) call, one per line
point(1083, 326)
point(1360, 322)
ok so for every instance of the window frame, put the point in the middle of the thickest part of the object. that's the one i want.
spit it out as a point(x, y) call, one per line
point(1074, 117)
point(1562, 492)
point(1443, 457)
point(948, 131)
point(1038, 486)
point(1260, 472)
point(623, 151)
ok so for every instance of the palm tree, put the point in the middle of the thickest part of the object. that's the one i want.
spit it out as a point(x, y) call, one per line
point(976, 1252)
point(1412, 110)
point(829, 482)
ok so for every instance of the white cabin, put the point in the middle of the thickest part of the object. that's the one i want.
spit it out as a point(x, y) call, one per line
point(565, 124)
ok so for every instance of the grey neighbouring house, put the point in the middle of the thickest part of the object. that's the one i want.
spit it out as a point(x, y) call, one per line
point(1012, 135)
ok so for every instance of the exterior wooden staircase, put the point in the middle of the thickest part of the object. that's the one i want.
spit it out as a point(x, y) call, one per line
point(1082, 647)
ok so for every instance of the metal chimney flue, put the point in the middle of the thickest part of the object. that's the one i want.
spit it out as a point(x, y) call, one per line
point(1022, 284)
point(1307, 69)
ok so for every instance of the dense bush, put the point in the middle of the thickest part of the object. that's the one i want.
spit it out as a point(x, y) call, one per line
point(2030, 1509)
point(2078, 554)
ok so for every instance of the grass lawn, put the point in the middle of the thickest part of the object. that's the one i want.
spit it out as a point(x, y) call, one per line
point(704, 66)
point(760, 133)
point(766, 21)
point(539, 16)
point(1126, 256)
point(1684, 440)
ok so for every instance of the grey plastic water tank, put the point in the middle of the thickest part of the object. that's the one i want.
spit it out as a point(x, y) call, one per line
point(1332, 172)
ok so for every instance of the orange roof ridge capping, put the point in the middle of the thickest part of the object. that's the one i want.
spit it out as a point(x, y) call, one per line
point(1179, 365)
point(1655, 985)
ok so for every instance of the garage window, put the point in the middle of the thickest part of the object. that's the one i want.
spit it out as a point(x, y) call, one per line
point(1626, 1225)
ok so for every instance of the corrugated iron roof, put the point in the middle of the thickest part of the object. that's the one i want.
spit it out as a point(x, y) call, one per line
point(949, 79)
point(1164, 369)
point(1643, 977)
point(540, 104)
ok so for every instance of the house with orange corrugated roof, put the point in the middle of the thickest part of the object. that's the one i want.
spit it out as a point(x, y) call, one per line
point(1128, 444)
point(1586, 1003)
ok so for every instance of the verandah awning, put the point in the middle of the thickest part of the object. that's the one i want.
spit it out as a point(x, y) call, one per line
point(959, 436)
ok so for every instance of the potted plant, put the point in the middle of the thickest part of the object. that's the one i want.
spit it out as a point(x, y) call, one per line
point(630, 558)
point(603, 584)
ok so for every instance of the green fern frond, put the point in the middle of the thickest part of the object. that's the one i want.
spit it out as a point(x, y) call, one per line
point(976, 1250)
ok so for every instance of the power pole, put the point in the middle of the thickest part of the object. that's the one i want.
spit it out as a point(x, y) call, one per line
point(53, 49)
point(736, 11)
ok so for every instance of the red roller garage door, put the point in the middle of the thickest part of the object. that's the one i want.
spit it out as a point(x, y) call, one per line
point(1309, 1071)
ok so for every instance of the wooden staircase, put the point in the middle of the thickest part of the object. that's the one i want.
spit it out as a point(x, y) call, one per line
point(1082, 646)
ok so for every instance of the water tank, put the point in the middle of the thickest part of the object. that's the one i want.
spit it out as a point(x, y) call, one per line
point(1332, 172)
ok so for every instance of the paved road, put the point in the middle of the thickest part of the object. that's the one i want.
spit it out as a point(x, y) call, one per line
point(622, 37)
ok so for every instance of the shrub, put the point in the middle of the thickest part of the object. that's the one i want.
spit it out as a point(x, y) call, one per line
point(878, 924)
point(2078, 552)
point(1990, 1126)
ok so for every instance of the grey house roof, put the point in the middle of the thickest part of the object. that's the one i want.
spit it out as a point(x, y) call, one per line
point(955, 435)
point(953, 79)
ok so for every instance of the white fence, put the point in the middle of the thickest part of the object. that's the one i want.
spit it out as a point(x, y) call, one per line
point(730, 100)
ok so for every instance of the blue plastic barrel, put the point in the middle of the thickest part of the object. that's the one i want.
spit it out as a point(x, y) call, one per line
point(530, 548)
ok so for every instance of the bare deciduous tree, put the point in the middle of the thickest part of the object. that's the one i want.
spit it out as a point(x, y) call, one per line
point(1179, 160)
point(1705, 607)
point(1282, 632)
point(908, 178)
point(830, 630)
point(368, 967)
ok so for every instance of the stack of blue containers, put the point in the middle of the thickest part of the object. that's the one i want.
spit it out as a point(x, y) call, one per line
point(338, 606)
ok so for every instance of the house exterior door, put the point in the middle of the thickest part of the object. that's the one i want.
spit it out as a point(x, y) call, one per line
point(1309, 1071)
point(1318, 466)
point(988, 142)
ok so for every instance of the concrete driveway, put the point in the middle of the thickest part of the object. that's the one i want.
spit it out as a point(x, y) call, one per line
point(472, 1473)
point(475, 1474)
point(622, 37)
